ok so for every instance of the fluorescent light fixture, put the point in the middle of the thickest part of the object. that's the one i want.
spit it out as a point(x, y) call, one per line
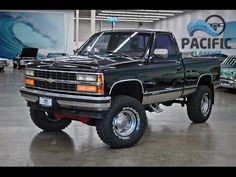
point(146, 10)
point(170, 11)
point(137, 13)
point(127, 20)
point(134, 18)
point(124, 15)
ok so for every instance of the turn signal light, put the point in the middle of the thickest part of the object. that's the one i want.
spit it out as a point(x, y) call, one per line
point(29, 82)
point(99, 78)
point(100, 89)
point(87, 88)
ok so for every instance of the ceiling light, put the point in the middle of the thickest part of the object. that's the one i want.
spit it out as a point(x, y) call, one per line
point(137, 13)
point(129, 15)
point(171, 11)
point(131, 18)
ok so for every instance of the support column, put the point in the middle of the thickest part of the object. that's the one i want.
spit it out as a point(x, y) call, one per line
point(77, 28)
point(93, 21)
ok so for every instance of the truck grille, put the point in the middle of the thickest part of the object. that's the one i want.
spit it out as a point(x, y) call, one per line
point(55, 80)
point(55, 75)
point(55, 86)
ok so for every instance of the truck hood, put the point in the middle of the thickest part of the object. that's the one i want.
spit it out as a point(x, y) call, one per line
point(83, 63)
point(29, 52)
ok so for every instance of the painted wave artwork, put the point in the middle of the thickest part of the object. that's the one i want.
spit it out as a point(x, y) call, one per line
point(201, 25)
point(27, 29)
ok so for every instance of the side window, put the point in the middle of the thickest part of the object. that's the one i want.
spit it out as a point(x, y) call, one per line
point(163, 41)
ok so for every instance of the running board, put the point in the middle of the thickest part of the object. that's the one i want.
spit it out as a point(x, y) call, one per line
point(155, 108)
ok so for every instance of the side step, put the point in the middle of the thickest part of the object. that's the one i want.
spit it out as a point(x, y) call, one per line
point(155, 108)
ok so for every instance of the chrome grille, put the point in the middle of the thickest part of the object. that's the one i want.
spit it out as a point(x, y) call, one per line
point(55, 75)
point(55, 80)
point(55, 86)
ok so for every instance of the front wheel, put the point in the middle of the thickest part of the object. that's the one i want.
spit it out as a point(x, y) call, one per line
point(47, 122)
point(124, 123)
point(199, 104)
point(1, 69)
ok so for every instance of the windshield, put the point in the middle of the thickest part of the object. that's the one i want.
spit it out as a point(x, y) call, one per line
point(127, 44)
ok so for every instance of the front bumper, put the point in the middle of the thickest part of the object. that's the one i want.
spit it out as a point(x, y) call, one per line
point(24, 62)
point(228, 83)
point(77, 102)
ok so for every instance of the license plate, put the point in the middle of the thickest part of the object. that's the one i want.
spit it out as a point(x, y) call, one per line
point(46, 102)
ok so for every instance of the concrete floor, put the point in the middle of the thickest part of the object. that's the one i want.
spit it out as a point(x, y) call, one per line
point(170, 139)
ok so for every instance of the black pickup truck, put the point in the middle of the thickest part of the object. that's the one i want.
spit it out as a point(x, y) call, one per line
point(113, 79)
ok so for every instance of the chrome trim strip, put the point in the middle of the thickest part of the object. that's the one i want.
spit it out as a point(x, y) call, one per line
point(64, 91)
point(189, 91)
point(83, 105)
point(74, 72)
point(62, 81)
point(127, 80)
point(208, 74)
point(162, 97)
point(30, 97)
point(92, 98)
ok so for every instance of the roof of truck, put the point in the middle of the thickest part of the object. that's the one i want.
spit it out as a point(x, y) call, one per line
point(133, 30)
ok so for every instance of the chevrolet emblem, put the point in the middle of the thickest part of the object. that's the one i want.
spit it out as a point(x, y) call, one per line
point(50, 80)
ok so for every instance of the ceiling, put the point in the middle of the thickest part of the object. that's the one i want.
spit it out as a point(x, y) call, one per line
point(138, 15)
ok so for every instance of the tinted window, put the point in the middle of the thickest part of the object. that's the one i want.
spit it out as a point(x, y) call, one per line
point(163, 41)
point(129, 43)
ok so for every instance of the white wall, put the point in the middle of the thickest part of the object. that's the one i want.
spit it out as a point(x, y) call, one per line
point(178, 25)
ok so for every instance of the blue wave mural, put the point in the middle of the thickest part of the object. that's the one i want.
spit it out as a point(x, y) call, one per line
point(29, 29)
point(201, 25)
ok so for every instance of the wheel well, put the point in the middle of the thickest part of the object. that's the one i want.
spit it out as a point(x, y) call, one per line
point(129, 88)
point(207, 80)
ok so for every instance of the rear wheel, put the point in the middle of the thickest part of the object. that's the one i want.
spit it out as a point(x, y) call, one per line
point(47, 121)
point(1, 69)
point(124, 123)
point(199, 104)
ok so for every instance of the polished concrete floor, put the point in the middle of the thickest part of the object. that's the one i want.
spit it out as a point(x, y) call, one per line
point(170, 139)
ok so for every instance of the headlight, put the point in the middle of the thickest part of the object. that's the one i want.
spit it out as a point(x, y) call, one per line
point(83, 77)
point(29, 73)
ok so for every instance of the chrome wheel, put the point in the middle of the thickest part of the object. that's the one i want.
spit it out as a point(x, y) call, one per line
point(125, 122)
point(205, 104)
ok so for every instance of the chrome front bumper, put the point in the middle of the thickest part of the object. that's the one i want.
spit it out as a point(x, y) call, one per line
point(69, 101)
point(227, 83)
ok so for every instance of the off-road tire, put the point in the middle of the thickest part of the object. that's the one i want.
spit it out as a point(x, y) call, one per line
point(47, 123)
point(105, 127)
point(194, 111)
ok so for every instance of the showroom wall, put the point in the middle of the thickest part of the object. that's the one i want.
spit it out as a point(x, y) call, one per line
point(179, 26)
point(50, 31)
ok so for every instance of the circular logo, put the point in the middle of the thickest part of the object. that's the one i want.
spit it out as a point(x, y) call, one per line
point(217, 23)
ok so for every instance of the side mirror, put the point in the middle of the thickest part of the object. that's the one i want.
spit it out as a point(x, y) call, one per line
point(161, 53)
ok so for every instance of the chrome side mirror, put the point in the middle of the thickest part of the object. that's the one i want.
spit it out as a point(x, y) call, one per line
point(161, 53)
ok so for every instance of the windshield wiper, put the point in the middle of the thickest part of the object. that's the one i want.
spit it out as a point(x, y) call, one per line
point(89, 54)
point(119, 53)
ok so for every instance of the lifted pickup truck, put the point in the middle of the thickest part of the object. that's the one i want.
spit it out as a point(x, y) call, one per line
point(116, 76)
